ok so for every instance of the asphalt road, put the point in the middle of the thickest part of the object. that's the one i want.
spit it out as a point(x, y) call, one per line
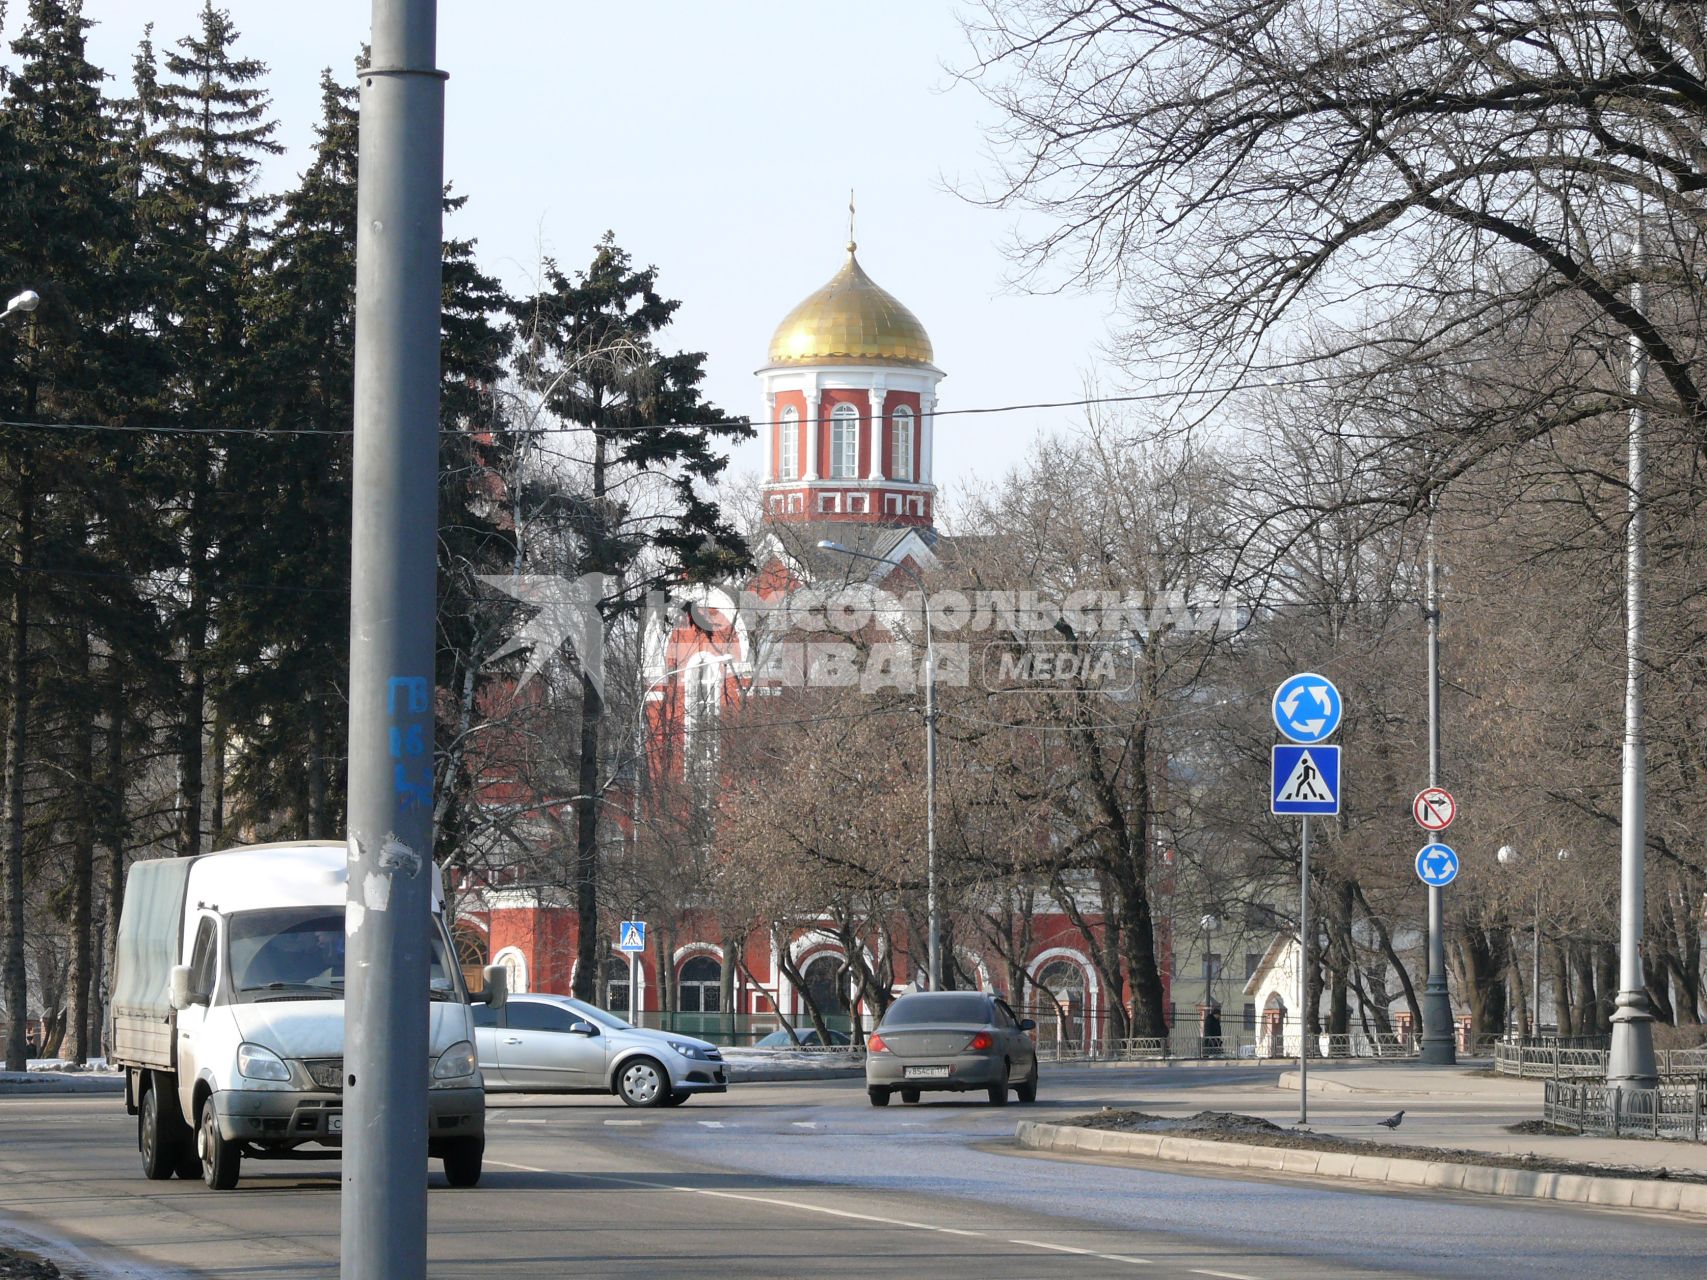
point(794, 1180)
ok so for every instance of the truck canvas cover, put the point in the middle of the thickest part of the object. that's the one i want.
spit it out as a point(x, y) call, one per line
point(150, 942)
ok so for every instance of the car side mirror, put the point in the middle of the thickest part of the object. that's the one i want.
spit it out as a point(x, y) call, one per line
point(182, 997)
point(495, 979)
point(583, 1029)
point(1028, 1024)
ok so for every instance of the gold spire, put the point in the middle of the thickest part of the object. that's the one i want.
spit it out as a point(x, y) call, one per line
point(850, 320)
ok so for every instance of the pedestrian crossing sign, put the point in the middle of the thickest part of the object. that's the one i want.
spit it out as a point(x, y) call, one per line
point(631, 936)
point(1305, 780)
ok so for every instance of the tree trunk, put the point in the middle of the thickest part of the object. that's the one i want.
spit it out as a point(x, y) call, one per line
point(1340, 951)
point(82, 871)
point(216, 805)
point(1656, 977)
point(318, 826)
point(587, 837)
point(1564, 1016)
point(1385, 940)
point(1588, 1008)
point(726, 990)
point(113, 813)
point(18, 710)
point(1606, 985)
point(192, 714)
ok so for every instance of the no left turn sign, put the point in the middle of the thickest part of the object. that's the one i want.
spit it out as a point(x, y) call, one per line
point(1434, 809)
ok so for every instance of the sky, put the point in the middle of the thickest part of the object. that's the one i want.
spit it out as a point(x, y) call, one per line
point(719, 142)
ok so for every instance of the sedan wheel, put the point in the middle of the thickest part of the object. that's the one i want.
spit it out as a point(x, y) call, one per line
point(643, 1083)
point(879, 1096)
point(909, 1095)
point(1026, 1090)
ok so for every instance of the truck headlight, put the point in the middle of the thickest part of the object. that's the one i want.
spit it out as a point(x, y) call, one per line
point(455, 1063)
point(256, 1062)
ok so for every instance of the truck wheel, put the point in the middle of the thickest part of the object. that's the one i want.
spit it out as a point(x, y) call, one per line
point(221, 1160)
point(462, 1157)
point(161, 1136)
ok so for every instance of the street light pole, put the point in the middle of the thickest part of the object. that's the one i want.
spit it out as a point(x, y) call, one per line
point(934, 941)
point(1631, 1062)
point(393, 567)
point(1439, 1045)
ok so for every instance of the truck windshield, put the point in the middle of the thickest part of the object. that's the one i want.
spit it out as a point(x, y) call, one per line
point(297, 953)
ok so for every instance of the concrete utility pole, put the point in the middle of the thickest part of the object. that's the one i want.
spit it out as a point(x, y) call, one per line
point(933, 919)
point(399, 193)
point(1439, 1044)
point(1632, 1062)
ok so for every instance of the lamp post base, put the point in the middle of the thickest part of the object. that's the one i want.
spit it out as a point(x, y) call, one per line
point(1632, 1061)
point(1439, 1043)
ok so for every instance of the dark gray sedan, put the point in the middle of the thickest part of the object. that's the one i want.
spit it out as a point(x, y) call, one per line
point(951, 1040)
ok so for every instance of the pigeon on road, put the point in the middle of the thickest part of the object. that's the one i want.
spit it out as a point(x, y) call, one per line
point(1392, 1121)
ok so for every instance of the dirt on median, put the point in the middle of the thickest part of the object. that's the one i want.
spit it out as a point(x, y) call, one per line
point(26, 1266)
point(1230, 1126)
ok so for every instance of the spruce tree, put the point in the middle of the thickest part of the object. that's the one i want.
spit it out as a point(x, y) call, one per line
point(640, 515)
point(211, 129)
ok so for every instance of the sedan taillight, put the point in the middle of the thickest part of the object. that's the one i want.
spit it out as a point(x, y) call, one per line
point(875, 1044)
point(981, 1041)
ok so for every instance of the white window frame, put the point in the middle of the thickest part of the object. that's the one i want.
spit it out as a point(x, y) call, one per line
point(844, 442)
point(892, 504)
point(858, 504)
point(788, 444)
point(830, 503)
point(901, 444)
point(794, 504)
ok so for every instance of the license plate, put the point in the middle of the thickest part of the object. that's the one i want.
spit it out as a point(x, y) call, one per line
point(925, 1073)
point(334, 1124)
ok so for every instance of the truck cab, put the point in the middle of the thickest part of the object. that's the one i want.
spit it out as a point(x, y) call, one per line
point(228, 1015)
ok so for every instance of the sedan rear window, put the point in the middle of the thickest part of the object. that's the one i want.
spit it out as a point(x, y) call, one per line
point(947, 1006)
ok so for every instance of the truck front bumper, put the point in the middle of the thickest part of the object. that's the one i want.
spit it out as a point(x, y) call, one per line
point(288, 1116)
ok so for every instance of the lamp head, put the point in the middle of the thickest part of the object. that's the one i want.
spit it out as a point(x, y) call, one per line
point(26, 301)
point(824, 544)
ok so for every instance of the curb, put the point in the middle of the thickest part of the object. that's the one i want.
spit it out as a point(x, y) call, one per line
point(1563, 1188)
point(781, 1075)
point(16, 1083)
point(1327, 1084)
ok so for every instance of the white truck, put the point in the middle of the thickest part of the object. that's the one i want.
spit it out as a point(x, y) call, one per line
point(228, 1015)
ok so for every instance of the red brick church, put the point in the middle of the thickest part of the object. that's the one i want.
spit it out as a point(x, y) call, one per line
point(849, 393)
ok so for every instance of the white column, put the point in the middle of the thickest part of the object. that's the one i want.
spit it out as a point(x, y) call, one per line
point(809, 424)
point(877, 431)
point(927, 423)
point(773, 470)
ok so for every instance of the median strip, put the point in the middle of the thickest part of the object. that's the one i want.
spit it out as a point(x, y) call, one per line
point(1345, 1160)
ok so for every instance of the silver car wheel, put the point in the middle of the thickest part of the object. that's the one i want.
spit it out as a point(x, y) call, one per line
point(643, 1083)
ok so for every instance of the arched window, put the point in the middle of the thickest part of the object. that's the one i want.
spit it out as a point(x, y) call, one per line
point(1061, 1003)
point(701, 985)
point(829, 991)
point(788, 445)
point(844, 442)
point(901, 444)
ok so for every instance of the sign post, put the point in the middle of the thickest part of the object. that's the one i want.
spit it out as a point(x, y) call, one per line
point(1304, 779)
point(631, 939)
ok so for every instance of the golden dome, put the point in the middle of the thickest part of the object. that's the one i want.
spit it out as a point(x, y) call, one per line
point(853, 321)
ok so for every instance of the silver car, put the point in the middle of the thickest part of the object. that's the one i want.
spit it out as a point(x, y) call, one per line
point(555, 1044)
point(955, 1040)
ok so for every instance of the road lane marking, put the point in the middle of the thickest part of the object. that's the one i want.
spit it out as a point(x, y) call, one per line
point(711, 1124)
point(804, 1124)
point(849, 1214)
point(1088, 1253)
point(622, 1122)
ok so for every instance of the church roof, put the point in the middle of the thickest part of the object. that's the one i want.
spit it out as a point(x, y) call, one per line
point(851, 321)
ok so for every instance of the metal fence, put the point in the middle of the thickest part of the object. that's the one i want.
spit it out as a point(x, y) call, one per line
point(1671, 1111)
point(1280, 1045)
point(1533, 1061)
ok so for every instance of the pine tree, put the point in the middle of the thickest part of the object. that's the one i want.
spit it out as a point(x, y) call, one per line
point(641, 517)
point(65, 228)
point(211, 129)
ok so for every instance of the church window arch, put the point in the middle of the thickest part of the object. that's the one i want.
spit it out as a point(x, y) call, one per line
point(788, 444)
point(844, 442)
point(901, 444)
